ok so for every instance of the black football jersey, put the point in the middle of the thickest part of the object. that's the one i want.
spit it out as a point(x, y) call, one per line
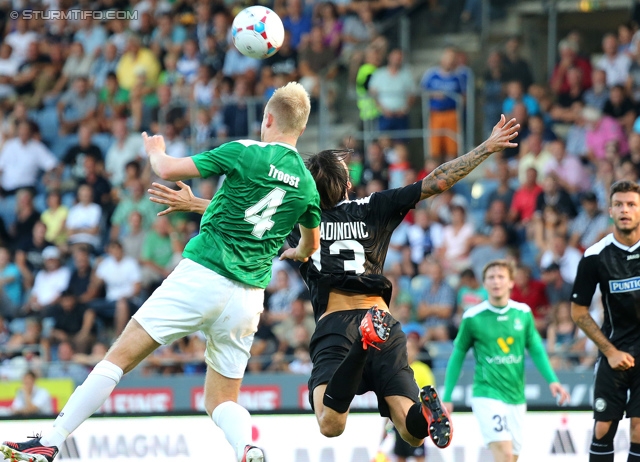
point(616, 268)
point(354, 237)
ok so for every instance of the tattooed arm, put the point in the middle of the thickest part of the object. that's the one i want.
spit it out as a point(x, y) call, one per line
point(446, 175)
point(618, 360)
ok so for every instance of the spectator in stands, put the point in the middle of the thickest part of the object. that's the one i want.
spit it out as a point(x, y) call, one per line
point(77, 106)
point(20, 39)
point(189, 61)
point(598, 94)
point(547, 223)
point(523, 205)
point(8, 70)
point(285, 330)
point(493, 91)
point(565, 256)
point(456, 241)
point(615, 64)
point(394, 90)
point(562, 110)
point(436, 304)
point(516, 94)
point(10, 285)
point(31, 399)
point(134, 200)
point(422, 236)
point(29, 253)
point(283, 294)
point(503, 192)
point(241, 116)
point(285, 61)
point(168, 38)
point(554, 195)
point(328, 19)
point(125, 148)
point(576, 138)
point(136, 57)
point(533, 155)
point(447, 93)
point(515, 67)
point(561, 336)
point(366, 102)
point(161, 252)
point(238, 65)
point(54, 218)
point(296, 22)
point(26, 218)
point(64, 367)
point(75, 155)
point(49, 283)
point(77, 64)
point(528, 290)
point(570, 59)
point(29, 69)
point(590, 225)
point(204, 87)
point(114, 102)
point(495, 248)
point(568, 170)
point(134, 237)
point(633, 82)
point(620, 107)
point(359, 31)
point(120, 276)
point(22, 159)
point(375, 166)
point(91, 35)
point(556, 289)
point(317, 63)
point(496, 215)
point(83, 222)
point(105, 64)
point(601, 131)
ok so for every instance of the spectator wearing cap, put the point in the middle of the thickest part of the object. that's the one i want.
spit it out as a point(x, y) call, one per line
point(590, 225)
point(49, 283)
point(569, 59)
point(556, 289)
point(31, 399)
point(615, 64)
point(136, 57)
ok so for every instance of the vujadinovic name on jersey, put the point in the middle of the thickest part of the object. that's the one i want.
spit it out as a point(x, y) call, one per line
point(625, 285)
point(334, 231)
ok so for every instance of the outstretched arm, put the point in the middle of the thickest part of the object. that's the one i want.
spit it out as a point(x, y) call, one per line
point(448, 174)
point(167, 167)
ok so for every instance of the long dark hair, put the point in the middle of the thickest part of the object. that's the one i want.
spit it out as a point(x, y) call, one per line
point(331, 177)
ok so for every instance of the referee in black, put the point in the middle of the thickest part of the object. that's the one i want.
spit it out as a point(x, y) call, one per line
point(614, 263)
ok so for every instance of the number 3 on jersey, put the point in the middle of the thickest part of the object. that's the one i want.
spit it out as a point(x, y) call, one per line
point(269, 203)
point(356, 265)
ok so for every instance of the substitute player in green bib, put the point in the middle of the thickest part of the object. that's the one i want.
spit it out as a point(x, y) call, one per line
point(218, 288)
point(499, 330)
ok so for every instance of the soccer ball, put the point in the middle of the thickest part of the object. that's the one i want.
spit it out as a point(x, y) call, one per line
point(257, 32)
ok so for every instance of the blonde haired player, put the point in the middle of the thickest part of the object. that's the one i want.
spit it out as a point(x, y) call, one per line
point(219, 286)
point(499, 330)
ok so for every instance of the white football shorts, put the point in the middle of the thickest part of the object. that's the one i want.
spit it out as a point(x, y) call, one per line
point(194, 298)
point(500, 421)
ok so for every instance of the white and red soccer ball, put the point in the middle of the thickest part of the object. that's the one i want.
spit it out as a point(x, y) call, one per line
point(257, 32)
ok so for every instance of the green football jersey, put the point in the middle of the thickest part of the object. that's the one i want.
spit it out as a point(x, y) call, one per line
point(499, 337)
point(267, 190)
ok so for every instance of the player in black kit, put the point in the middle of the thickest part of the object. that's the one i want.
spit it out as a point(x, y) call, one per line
point(614, 263)
point(350, 296)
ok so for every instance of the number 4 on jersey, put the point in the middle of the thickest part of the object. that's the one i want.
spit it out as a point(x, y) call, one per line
point(269, 203)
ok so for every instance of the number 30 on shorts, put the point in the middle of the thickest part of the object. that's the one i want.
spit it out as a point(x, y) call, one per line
point(268, 206)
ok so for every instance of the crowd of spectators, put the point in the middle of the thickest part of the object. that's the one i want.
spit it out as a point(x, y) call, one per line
point(81, 245)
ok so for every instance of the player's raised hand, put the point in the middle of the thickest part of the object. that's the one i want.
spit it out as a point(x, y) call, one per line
point(181, 200)
point(620, 360)
point(502, 134)
point(559, 393)
point(154, 143)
